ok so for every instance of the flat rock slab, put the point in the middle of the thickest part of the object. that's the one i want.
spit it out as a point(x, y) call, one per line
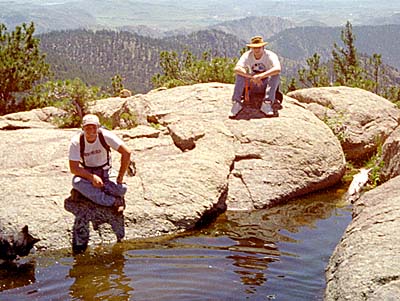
point(192, 162)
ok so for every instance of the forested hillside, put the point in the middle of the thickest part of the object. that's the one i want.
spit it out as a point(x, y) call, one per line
point(96, 56)
point(245, 28)
point(302, 42)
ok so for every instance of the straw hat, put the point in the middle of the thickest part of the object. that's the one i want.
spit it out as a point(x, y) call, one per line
point(256, 41)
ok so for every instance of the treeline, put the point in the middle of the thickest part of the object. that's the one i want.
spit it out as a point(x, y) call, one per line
point(347, 67)
point(81, 66)
point(72, 68)
point(300, 43)
point(96, 56)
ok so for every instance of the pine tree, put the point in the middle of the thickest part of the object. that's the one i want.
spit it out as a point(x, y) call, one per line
point(21, 64)
point(187, 69)
point(346, 64)
point(117, 85)
point(316, 75)
point(376, 62)
point(72, 96)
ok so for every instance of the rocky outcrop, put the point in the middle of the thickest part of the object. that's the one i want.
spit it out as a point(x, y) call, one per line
point(192, 162)
point(360, 119)
point(38, 118)
point(366, 263)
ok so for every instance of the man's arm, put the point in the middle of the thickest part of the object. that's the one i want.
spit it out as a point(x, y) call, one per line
point(239, 70)
point(273, 71)
point(125, 161)
point(79, 171)
point(257, 78)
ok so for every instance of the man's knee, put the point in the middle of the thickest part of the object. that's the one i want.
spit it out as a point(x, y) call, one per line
point(76, 181)
point(115, 189)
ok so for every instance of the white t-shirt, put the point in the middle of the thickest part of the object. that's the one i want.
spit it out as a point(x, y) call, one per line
point(268, 60)
point(95, 154)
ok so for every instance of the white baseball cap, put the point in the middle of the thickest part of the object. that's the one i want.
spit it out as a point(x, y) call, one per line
point(90, 119)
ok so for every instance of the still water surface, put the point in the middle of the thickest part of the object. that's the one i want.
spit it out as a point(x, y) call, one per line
point(272, 254)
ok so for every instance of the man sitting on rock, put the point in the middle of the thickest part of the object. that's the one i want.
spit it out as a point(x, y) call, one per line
point(260, 68)
point(90, 162)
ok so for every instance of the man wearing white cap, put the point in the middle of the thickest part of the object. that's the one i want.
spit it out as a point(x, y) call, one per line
point(261, 68)
point(90, 163)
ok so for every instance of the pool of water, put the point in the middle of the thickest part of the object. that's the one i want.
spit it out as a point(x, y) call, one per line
point(273, 254)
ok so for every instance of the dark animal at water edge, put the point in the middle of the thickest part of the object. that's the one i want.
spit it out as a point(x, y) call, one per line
point(20, 245)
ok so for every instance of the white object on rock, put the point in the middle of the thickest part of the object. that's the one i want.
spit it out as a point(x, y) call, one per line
point(359, 181)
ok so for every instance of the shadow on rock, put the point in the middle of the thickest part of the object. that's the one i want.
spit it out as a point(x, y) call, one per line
point(251, 110)
point(86, 211)
point(248, 113)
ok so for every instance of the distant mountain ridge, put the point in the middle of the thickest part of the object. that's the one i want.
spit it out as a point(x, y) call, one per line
point(170, 15)
point(245, 28)
point(96, 56)
point(302, 42)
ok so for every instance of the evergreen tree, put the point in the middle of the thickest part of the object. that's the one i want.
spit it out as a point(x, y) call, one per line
point(21, 64)
point(376, 62)
point(292, 85)
point(117, 85)
point(316, 75)
point(73, 96)
point(346, 64)
point(188, 70)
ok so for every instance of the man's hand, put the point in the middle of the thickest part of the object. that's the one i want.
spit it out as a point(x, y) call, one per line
point(97, 181)
point(256, 80)
point(125, 161)
point(120, 179)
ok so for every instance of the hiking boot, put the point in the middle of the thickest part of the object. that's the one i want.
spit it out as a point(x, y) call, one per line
point(277, 105)
point(119, 204)
point(266, 108)
point(76, 196)
point(236, 108)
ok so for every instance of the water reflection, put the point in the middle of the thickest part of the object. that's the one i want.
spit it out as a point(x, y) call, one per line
point(14, 274)
point(99, 275)
point(278, 253)
point(284, 235)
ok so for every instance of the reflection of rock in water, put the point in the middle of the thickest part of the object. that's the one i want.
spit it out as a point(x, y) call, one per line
point(14, 275)
point(258, 233)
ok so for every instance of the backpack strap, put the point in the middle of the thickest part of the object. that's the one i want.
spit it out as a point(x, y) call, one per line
point(103, 143)
point(82, 148)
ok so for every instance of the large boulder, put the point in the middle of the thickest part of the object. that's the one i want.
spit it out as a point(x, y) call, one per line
point(280, 158)
point(38, 118)
point(360, 119)
point(121, 112)
point(192, 163)
point(366, 263)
